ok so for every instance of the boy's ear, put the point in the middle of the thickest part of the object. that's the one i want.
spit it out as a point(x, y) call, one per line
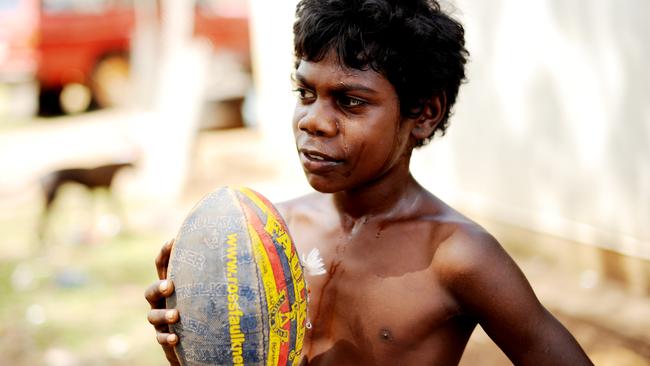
point(433, 110)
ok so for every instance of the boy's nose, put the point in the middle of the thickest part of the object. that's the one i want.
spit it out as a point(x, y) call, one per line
point(318, 121)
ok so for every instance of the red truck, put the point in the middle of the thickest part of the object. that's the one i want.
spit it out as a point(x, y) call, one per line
point(57, 46)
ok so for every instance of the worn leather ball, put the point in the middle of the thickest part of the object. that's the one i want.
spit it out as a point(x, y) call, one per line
point(239, 284)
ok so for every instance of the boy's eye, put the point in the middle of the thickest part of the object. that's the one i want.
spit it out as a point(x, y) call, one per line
point(304, 93)
point(350, 102)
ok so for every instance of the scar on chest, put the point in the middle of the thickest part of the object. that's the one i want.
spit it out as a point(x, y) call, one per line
point(386, 335)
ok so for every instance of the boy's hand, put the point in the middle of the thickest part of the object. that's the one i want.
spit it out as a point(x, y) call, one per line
point(158, 316)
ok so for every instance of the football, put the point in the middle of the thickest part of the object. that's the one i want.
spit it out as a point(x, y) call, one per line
point(239, 284)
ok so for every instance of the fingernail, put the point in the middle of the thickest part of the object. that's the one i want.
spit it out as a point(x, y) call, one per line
point(163, 286)
point(170, 315)
point(172, 338)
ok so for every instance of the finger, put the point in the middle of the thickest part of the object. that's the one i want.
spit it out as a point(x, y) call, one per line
point(167, 338)
point(157, 292)
point(162, 316)
point(162, 259)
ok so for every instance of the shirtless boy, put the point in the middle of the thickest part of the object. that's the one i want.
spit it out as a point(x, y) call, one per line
point(408, 277)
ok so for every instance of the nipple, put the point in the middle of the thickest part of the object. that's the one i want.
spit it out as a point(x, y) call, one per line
point(386, 335)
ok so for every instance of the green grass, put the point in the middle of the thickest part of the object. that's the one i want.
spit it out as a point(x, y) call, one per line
point(86, 300)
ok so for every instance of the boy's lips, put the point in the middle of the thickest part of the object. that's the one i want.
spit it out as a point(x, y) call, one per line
point(315, 161)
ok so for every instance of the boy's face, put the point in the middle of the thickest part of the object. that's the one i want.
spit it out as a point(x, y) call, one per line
point(347, 125)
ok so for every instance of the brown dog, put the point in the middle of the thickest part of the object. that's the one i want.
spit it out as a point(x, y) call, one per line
point(100, 177)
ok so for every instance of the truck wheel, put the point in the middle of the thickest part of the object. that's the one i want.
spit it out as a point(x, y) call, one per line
point(111, 85)
point(74, 98)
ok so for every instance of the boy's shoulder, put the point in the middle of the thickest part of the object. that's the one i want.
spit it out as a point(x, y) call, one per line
point(473, 266)
point(469, 251)
point(309, 204)
point(466, 255)
point(465, 250)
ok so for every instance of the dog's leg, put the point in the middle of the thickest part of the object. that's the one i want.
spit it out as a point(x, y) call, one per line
point(50, 185)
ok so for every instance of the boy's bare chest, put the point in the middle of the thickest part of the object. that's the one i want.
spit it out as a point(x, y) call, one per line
point(380, 294)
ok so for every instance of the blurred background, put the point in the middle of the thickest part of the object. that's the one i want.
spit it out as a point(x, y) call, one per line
point(116, 116)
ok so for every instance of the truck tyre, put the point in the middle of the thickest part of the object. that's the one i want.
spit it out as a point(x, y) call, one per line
point(110, 81)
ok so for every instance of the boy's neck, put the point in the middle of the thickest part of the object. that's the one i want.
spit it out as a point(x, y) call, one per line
point(387, 197)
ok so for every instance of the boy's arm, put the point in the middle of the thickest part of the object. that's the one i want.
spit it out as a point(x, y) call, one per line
point(489, 286)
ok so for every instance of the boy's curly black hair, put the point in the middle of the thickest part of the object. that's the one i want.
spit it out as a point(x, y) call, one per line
point(413, 43)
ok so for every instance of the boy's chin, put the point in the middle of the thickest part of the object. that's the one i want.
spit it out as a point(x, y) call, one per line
point(323, 189)
point(323, 185)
